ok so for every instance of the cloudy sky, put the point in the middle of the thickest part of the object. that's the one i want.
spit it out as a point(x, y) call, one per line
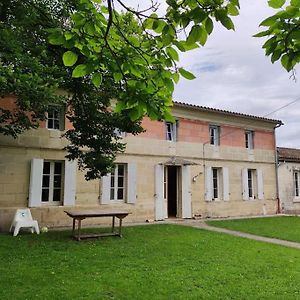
point(234, 74)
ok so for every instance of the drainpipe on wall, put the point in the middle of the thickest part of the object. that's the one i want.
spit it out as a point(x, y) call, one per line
point(278, 211)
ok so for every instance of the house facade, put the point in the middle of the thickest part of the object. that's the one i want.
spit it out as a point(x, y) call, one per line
point(289, 179)
point(210, 163)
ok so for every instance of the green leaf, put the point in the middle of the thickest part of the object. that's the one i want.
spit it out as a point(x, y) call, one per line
point(209, 25)
point(56, 38)
point(194, 35)
point(227, 23)
point(180, 45)
point(97, 79)
point(269, 21)
point(79, 71)
point(134, 114)
point(295, 3)
point(276, 3)
point(69, 58)
point(172, 53)
point(186, 74)
point(168, 117)
point(285, 61)
point(232, 10)
point(118, 77)
point(262, 33)
point(175, 77)
point(276, 55)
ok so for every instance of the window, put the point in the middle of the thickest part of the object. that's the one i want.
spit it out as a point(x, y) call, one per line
point(214, 132)
point(296, 183)
point(252, 184)
point(55, 118)
point(118, 183)
point(249, 139)
point(171, 131)
point(216, 183)
point(52, 182)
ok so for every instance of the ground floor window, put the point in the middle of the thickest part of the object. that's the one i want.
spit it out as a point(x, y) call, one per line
point(296, 183)
point(118, 183)
point(52, 182)
point(216, 175)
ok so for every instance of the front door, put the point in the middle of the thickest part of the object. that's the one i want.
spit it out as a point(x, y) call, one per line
point(172, 191)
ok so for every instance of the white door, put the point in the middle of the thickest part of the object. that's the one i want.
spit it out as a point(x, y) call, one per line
point(186, 192)
point(160, 212)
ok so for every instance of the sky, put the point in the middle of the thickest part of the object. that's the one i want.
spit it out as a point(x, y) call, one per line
point(233, 73)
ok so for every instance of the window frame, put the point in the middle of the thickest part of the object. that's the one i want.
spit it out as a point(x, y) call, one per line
point(214, 135)
point(249, 139)
point(296, 183)
point(252, 188)
point(217, 189)
point(114, 176)
point(171, 131)
point(60, 119)
point(51, 187)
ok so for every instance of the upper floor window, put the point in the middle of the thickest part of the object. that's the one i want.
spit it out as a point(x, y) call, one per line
point(171, 131)
point(117, 183)
point(214, 132)
point(249, 139)
point(55, 118)
point(296, 183)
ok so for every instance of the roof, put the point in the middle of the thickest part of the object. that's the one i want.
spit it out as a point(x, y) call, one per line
point(288, 154)
point(226, 112)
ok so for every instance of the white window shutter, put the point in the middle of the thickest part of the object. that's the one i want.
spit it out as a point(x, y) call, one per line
point(159, 193)
point(70, 183)
point(131, 190)
point(36, 179)
point(226, 190)
point(208, 183)
point(186, 192)
point(260, 184)
point(105, 189)
point(245, 184)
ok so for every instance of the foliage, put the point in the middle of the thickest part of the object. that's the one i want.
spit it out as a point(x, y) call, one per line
point(283, 32)
point(149, 262)
point(285, 228)
point(95, 53)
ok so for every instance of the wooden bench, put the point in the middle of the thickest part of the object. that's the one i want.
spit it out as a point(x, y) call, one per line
point(80, 215)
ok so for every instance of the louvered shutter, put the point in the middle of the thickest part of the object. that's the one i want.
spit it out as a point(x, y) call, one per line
point(36, 178)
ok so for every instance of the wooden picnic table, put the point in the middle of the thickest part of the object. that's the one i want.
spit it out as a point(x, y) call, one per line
point(80, 215)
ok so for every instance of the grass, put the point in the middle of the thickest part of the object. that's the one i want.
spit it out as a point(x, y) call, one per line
point(284, 228)
point(149, 262)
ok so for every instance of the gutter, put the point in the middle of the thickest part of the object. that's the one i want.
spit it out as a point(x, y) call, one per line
point(278, 211)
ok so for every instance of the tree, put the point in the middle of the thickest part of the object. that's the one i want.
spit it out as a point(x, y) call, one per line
point(95, 52)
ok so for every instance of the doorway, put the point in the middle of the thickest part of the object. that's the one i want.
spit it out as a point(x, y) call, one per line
point(172, 191)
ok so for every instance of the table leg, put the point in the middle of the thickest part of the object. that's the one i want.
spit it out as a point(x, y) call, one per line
point(113, 224)
point(73, 230)
point(120, 227)
point(79, 227)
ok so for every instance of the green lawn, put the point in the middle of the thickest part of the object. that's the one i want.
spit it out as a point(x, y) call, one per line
point(284, 228)
point(149, 262)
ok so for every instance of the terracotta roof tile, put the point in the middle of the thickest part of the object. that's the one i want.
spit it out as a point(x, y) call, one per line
point(288, 154)
point(205, 108)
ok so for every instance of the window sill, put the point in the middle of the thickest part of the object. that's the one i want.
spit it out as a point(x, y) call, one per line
point(296, 200)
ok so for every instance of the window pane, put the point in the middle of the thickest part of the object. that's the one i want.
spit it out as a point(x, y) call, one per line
point(120, 181)
point(121, 170)
point(46, 169)
point(56, 124)
point(57, 168)
point(56, 114)
point(50, 123)
point(45, 195)
point(120, 194)
point(56, 194)
point(112, 194)
point(112, 181)
point(57, 181)
point(46, 181)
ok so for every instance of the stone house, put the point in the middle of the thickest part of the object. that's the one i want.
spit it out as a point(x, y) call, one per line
point(210, 163)
point(289, 179)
